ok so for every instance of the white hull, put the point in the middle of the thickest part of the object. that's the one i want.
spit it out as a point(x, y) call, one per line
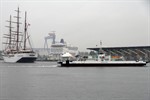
point(101, 64)
point(108, 62)
point(20, 57)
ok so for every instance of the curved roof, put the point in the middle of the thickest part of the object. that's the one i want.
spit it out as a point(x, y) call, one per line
point(118, 48)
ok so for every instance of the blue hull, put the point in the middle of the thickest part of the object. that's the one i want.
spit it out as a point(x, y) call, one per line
point(27, 60)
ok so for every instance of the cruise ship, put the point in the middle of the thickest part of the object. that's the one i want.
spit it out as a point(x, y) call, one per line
point(58, 48)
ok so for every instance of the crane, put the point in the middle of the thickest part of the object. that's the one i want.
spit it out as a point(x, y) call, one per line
point(49, 37)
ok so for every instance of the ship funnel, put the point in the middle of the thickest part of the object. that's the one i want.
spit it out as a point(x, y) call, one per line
point(62, 41)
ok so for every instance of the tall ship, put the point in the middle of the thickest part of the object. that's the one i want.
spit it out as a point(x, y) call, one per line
point(58, 48)
point(18, 47)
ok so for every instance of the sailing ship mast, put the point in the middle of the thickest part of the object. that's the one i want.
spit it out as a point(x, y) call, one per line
point(9, 36)
point(18, 31)
point(15, 50)
point(26, 35)
point(25, 31)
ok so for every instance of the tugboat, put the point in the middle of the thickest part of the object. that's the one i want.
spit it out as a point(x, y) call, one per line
point(101, 61)
point(16, 50)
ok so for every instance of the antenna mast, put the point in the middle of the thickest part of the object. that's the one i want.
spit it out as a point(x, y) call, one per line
point(100, 49)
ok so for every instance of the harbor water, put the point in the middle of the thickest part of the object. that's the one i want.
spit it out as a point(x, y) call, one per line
point(46, 81)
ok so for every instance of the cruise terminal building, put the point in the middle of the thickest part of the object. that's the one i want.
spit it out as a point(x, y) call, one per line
point(129, 53)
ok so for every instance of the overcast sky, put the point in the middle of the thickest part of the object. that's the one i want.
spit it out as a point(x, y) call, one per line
point(83, 23)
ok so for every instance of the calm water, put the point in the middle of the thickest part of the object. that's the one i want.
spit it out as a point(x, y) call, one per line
point(45, 81)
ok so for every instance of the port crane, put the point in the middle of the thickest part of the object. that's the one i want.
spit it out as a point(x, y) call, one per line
point(49, 37)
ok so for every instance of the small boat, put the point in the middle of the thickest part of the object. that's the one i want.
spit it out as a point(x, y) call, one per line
point(16, 50)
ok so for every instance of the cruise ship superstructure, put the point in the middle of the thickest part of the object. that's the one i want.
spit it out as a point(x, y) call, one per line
point(58, 48)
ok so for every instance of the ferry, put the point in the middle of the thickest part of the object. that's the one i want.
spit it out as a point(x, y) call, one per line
point(102, 60)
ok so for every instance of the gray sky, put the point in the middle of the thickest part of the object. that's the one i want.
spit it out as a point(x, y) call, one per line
point(83, 23)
